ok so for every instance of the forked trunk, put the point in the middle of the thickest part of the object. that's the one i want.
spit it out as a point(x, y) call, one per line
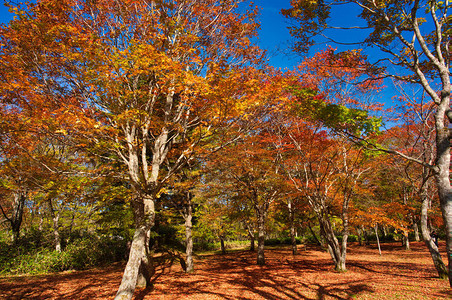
point(139, 267)
point(16, 219)
point(334, 248)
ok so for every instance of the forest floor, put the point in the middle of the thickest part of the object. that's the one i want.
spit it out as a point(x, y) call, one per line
point(397, 274)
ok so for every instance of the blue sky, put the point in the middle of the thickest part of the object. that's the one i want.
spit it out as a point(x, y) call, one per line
point(274, 35)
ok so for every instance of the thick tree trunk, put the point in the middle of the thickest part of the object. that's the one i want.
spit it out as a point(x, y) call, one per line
point(56, 232)
point(334, 248)
point(261, 236)
point(138, 270)
point(188, 236)
point(55, 221)
point(406, 241)
point(434, 252)
point(17, 215)
point(223, 247)
point(442, 173)
point(292, 226)
point(16, 221)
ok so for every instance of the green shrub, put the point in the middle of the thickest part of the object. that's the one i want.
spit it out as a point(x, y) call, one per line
point(204, 245)
point(80, 254)
point(272, 242)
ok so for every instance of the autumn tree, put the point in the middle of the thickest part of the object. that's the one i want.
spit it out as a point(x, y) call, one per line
point(413, 37)
point(135, 77)
point(327, 172)
point(415, 138)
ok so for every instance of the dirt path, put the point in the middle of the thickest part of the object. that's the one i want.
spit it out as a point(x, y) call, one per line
point(397, 274)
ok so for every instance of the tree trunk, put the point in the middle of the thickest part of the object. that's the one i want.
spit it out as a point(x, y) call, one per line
point(406, 241)
point(55, 221)
point(292, 226)
point(188, 235)
point(442, 173)
point(360, 237)
point(366, 237)
point(261, 236)
point(434, 251)
point(17, 215)
point(223, 248)
point(334, 248)
point(314, 235)
point(138, 270)
point(416, 231)
point(250, 235)
point(385, 232)
point(56, 232)
point(378, 239)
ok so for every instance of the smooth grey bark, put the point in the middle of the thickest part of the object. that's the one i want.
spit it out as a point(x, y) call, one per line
point(188, 216)
point(290, 207)
point(416, 232)
point(425, 231)
point(55, 222)
point(139, 267)
point(406, 241)
point(385, 232)
point(337, 251)
point(378, 239)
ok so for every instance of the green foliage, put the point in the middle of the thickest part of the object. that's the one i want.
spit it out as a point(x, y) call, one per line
point(334, 116)
point(351, 238)
point(167, 236)
point(82, 253)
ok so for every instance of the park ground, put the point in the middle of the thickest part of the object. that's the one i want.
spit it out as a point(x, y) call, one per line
point(397, 274)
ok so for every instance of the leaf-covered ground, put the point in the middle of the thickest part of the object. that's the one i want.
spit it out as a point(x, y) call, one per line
point(397, 274)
